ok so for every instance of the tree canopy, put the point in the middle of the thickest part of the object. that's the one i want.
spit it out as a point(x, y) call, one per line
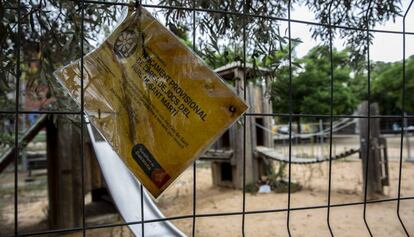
point(311, 84)
point(387, 86)
point(51, 37)
point(263, 27)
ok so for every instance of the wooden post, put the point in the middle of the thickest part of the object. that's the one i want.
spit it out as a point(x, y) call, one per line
point(254, 135)
point(373, 179)
point(238, 145)
point(261, 105)
point(64, 173)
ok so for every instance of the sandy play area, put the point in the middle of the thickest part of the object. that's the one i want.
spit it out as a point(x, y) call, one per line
point(345, 221)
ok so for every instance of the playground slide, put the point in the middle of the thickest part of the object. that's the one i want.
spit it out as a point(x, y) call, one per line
point(125, 190)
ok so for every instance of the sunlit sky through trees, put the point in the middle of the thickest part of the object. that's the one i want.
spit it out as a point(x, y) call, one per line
point(386, 47)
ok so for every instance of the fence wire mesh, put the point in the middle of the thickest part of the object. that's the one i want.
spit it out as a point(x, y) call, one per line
point(244, 14)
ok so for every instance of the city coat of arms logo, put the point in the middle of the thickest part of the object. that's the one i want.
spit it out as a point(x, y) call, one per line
point(126, 44)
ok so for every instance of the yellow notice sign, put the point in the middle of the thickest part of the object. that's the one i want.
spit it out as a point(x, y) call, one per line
point(153, 100)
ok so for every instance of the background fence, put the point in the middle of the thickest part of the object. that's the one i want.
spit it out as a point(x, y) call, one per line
point(244, 14)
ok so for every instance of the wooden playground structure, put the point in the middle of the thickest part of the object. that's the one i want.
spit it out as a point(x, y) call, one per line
point(227, 152)
point(230, 151)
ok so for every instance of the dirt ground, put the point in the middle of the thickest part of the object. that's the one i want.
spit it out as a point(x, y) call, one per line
point(177, 201)
point(345, 221)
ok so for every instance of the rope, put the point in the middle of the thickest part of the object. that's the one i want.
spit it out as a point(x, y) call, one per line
point(270, 153)
point(336, 127)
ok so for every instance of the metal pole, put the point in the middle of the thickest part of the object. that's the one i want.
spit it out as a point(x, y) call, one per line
point(407, 139)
